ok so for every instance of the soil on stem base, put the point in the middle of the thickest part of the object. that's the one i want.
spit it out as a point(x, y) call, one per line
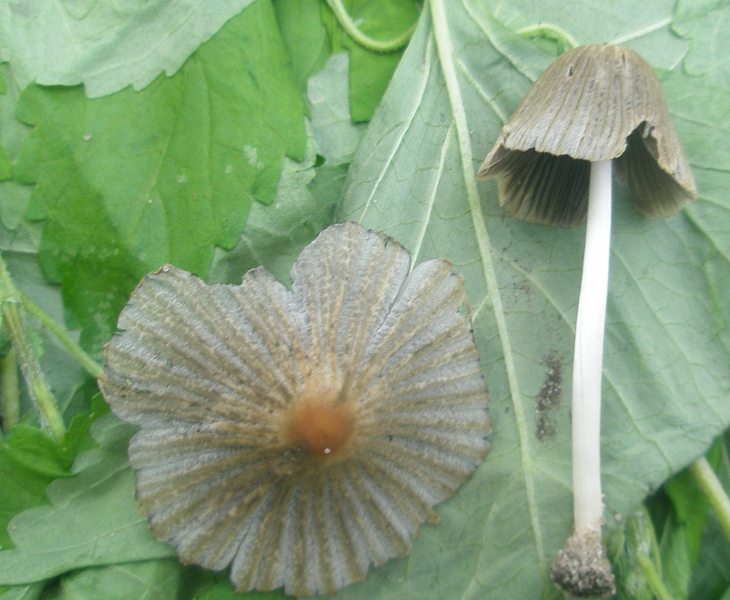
point(581, 567)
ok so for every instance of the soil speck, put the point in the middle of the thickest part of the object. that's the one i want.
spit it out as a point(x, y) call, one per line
point(549, 396)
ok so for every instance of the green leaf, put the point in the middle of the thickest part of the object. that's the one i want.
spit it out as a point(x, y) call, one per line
point(691, 509)
point(15, 234)
point(676, 562)
point(371, 71)
point(106, 46)
point(635, 555)
point(12, 133)
point(705, 23)
point(92, 519)
point(223, 590)
point(134, 180)
point(275, 234)
point(337, 137)
point(34, 450)
point(647, 27)
point(667, 341)
point(6, 169)
point(369, 77)
point(22, 592)
point(304, 35)
point(710, 578)
point(311, 32)
point(30, 460)
point(146, 580)
point(24, 485)
point(307, 193)
point(68, 380)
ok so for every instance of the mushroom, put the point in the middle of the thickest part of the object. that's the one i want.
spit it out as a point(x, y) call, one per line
point(593, 105)
point(300, 435)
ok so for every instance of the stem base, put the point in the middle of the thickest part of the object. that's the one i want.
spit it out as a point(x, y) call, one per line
point(581, 567)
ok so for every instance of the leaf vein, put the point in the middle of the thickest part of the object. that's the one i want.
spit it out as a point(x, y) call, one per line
point(445, 52)
point(432, 196)
point(397, 146)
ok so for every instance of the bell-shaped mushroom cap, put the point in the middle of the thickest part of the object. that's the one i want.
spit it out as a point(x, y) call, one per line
point(300, 435)
point(596, 102)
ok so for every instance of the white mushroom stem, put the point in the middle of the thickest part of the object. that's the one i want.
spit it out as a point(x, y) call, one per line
point(588, 357)
point(581, 567)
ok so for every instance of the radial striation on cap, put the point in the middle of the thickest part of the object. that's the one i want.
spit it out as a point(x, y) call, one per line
point(300, 435)
point(595, 102)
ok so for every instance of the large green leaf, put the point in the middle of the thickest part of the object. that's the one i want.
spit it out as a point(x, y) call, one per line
point(91, 521)
point(275, 234)
point(29, 461)
point(306, 195)
point(106, 45)
point(130, 181)
point(666, 376)
point(144, 580)
point(304, 35)
point(705, 23)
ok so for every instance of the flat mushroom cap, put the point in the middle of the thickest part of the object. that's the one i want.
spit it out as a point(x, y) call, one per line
point(595, 102)
point(300, 435)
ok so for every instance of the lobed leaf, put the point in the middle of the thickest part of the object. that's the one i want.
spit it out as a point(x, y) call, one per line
point(24, 484)
point(307, 192)
point(128, 182)
point(91, 520)
point(144, 580)
point(305, 36)
point(106, 46)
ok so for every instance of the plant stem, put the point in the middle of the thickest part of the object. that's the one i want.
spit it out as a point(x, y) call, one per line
point(39, 390)
point(712, 488)
point(88, 363)
point(588, 359)
point(653, 577)
point(10, 390)
point(362, 38)
point(550, 31)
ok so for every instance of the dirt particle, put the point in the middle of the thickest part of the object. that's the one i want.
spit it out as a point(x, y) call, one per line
point(548, 398)
point(523, 289)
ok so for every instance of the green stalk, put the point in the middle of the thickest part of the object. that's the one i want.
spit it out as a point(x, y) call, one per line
point(550, 31)
point(10, 390)
point(88, 363)
point(712, 489)
point(653, 577)
point(39, 390)
point(362, 38)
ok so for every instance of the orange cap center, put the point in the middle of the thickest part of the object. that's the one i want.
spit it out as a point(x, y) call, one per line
point(320, 427)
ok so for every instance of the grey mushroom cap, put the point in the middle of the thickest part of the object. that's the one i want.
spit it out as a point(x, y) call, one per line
point(300, 435)
point(595, 102)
